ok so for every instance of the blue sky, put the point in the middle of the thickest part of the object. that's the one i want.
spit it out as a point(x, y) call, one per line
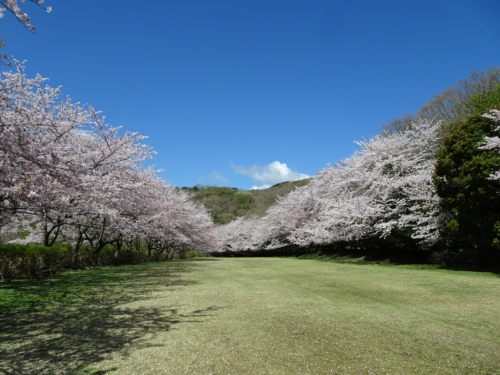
point(225, 89)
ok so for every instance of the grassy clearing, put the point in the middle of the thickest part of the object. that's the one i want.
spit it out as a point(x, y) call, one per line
point(252, 316)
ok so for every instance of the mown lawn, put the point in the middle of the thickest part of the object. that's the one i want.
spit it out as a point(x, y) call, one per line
point(252, 316)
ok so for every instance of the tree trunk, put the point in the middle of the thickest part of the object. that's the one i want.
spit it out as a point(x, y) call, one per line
point(76, 249)
point(118, 247)
point(95, 253)
point(50, 235)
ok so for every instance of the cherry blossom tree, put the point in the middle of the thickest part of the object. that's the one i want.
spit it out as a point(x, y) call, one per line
point(36, 126)
point(71, 175)
point(386, 185)
point(244, 234)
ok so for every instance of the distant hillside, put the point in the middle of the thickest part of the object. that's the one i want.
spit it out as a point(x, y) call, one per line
point(226, 204)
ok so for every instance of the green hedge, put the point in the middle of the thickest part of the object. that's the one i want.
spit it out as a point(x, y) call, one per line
point(32, 261)
point(36, 261)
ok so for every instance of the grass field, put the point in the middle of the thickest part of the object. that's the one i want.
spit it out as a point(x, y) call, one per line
point(252, 316)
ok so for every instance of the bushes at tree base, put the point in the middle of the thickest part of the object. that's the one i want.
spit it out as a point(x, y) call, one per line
point(31, 261)
point(436, 256)
point(37, 261)
point(290, 250)
point(369, 255)
point(399, 247)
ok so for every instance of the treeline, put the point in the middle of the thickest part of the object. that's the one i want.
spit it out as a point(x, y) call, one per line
point(428, 184)
point(68, 177)
point(225, 204)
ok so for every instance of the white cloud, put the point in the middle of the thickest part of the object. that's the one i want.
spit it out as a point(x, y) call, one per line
point(269, 175)
point(255, 187)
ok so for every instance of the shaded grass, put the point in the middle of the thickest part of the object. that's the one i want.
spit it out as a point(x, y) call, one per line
point(253, 316)
point(390, 259)
point(65, 323)
point(369, 256)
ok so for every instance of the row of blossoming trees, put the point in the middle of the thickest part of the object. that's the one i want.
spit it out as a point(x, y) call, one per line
point(66, 176)
point(384, 186)
point(430, 187)
point(429, 184)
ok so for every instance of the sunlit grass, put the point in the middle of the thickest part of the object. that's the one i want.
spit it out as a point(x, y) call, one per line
point(253, 316)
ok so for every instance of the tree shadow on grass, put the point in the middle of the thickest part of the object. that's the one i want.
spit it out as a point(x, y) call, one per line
point(414, 259)
point(80, 318)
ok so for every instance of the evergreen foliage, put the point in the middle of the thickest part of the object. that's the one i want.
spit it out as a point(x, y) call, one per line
point(470, 197)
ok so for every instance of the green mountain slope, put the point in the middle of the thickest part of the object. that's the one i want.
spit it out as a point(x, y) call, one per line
point(226, 204)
